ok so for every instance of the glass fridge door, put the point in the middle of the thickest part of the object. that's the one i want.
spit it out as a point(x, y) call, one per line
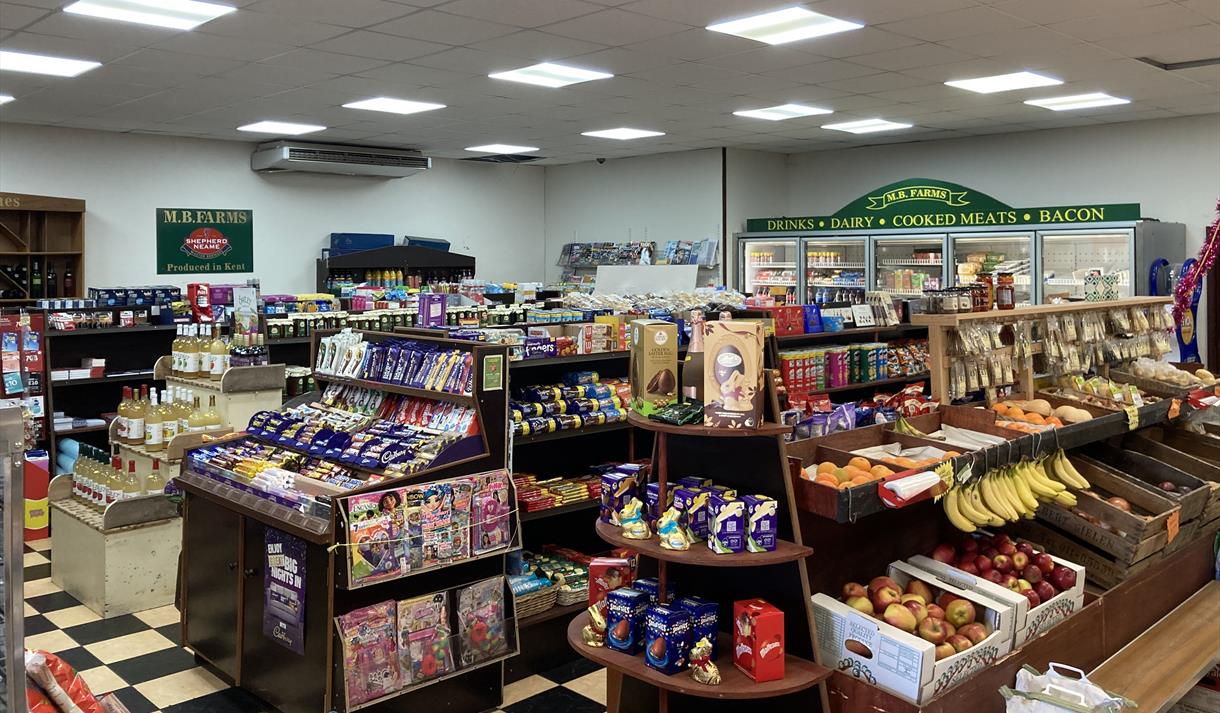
point(1086, 264)
point(993, 253)
point(769, 266)
point(834, 268)
point(905, 266)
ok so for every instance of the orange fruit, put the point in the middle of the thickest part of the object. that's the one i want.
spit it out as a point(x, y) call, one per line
point(880, 471)
point(1054, 421)
point(1035, 418)
point(842, 475)
point(860, 480)
point(1014, 413)
point(845, 484)
point(950, 454)
point(826, 467)
point(1000, 409)
point(861, 463)
point(905, 463)
point(827, 480)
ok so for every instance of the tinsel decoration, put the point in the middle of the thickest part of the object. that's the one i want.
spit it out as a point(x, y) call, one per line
point(1183, 293)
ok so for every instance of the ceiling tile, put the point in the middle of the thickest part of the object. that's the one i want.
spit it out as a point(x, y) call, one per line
point(955, 23)
point(616, 27)
point(376, 45)
point(879, 11)
point(443, 27)
point(287, 29)
point(537, 46)
point(620, 61)
point(66, 47)
point(159, 66)
point(414, 74)
point(1209, 9)
point(827, 71)
point(464, 59)
point(286, 77)
point(1178, 45)
point(910, 57)
point(324, 61)
point(757, 61)
point(1046, 12)
point(521, 13)
point(693, 45)
point(703, 12)
point(1168, 16)
point(250, 50)
point(16, 17)
point(857, 42)
point(876, 83)
point(348, 13)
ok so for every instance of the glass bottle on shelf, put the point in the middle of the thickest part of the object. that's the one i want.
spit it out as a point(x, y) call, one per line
point(196, 421)
point(123, 411)
point(212, 417)
point(220, 353)
point(190, 353)
point(263, 354)
point(154, 484)
point(36, 280)
point(692, 368)
point(175, 351)
point(82, 480)
point(169, 416)
point(135, 422)
point(205, 350)
point(52, 281)
point(131, 482)
point(154, 419)
point(114, 481)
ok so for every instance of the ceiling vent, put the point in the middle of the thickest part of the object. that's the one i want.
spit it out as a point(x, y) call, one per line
point(505, 158)
point(280, 156)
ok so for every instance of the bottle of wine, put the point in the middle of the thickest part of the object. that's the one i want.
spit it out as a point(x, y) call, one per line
point(69, 283)
point(131, 482)
point(212, 417)
point(154, 484)
point(52, 281)
point(197, 419)
point(692, 368)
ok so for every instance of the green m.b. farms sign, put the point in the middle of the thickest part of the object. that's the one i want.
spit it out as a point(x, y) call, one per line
point(201, 240)
point(929, 203)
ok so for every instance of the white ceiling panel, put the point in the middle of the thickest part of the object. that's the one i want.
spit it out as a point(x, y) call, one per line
point(437, 26)
point(287, 77)
point(95, 50)
point(158, 66)
point(955, 23)
point(376, 45)
point(62, 24)
point(324, 61)
point(876, 12)
point(921, 55)
point(521, 13)
point(1158, 18)
point(825, 71)
point(694, 44)
point(538, 46)
point(1047, 12)
point(346, 13)
point(615, 27)
point(16, 17)
point(620, 61)
point(285, 29)
point(701, 13)
point(1209, 9)
point(240, 48)
point(1180, 45)
point(415, 74)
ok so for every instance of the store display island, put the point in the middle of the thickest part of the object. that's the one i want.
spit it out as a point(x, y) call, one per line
point(229, 527)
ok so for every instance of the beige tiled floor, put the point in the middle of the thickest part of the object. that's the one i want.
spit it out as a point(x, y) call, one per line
point(161, 616)
point(72, 616)
point(52, 641)
point(130, 646)
point(176, 688)
point(33, 559)
point(39, 587)
point(102, 680)
point(591, 685)
point(526, 687)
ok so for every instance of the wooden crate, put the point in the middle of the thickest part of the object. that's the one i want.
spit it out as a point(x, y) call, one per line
point(1146, 471)
point(1148, 441)
point(1163, 389)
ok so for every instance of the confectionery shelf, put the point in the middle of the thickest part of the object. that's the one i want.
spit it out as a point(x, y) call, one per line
point(702, 556)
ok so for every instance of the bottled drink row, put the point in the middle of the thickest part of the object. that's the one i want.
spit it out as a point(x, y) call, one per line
point(30, 279)
point(97, 483)
point(198, 355)
point(144, 420)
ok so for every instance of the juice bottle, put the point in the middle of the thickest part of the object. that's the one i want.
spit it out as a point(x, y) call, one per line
point(169, 416)
point(154, 484)
point(197, 420)
point(212, 417)
point(190, 353)
point(184, 410)
point(121, 421)
point(131, 482)
point(154, 431)
point(220, 353)
point(135, 423)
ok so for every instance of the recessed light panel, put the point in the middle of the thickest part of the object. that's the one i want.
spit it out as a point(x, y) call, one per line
point(1005, 82)
point(501, 149)
point(1078, 101)
point(393, 106)
point(42, 64)
point(622, 134)
point(175, 14)
point(283, 128)
point(866, 126)
point(5, 98)
point(784, 111)
point(787, 25)
point(549, 74)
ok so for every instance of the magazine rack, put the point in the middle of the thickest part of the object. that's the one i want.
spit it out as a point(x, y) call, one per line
point(224, 547)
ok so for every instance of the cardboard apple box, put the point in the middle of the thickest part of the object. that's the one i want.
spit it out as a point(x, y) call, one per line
point(1028, 622)
point(904, 664)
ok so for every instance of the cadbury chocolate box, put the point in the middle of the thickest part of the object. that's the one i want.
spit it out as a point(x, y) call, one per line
point(704, 619)
point(654, 364)
point(617, 489)
point(625, 620)
point(652, 497)
point(761, 522)
point(652, 587)
point(726, 524)
point(733, 373)
point(667, 632)
point(692, 503)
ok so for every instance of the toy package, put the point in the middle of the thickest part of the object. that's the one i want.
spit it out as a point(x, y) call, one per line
point(492, 514)
point(375, 530)
point(413, 497)
point(424, 647)
point(436, 518)
point(370, 652)
point(480, 616)
point(463, 496)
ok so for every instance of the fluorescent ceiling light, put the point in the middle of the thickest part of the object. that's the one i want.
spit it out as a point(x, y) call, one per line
point(1005, 82)
point(784, 111)
point(549, 74)
point(280, 127)
point(41, 64)
point(175, 14)
point(622, 133)
point(501, 149)
point(5, 98)
point(393, 106)
point(1078, 101)
point(787, 25)
point(866, 126)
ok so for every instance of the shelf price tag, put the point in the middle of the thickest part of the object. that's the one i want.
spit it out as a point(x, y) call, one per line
point(1172, 524)
point(1175, 408)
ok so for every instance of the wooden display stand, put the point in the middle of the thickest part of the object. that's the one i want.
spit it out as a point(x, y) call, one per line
point(44, 231)
point(240, 393)
point(223, 589)
point(751, 461)
point(119, 561)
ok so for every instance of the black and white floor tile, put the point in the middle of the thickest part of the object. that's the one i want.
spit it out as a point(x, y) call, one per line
point(137, 657)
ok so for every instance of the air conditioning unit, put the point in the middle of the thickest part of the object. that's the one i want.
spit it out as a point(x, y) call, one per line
point(278, 156)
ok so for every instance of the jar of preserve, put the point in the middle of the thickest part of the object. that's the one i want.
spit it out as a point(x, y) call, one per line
point(1005, 291)
point(978, 294)
point(984, 279)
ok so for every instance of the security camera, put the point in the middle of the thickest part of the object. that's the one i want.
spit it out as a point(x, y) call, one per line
point(601, 160)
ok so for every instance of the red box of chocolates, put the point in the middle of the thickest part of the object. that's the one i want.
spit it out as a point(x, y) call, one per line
point(758, 639)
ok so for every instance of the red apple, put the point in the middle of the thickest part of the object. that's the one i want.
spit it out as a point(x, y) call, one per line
point(854, 589)
point(1001, 539)
point(923, 590)
point(1031, 574)
point(1032, 596)
point(1168, 486)
point(1007, 548)
point(935, 612)
point(899, 616)
point(959, 642)
point(967, 557)
point(1046, 590)
point(976, 632)
point(1027, 548)
point(862, 604)
point(968, 568)
point(995, 576)
point(1063, 578)
point(983, 564)
point(917, 609)
point(1045, 562)
point(944, 553)
point(884, 597)
point(944, 651)
point(1003, 563)
point(1009, 580)
point(959, 613)
point(989, 552)
point(968, 544)
point(1019, 561)
point(933, 631)
point(878, 582)
point(950, 630)
point(944, 599)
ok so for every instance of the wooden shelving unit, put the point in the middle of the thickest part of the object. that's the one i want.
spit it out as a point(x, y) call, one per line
point(44, 232)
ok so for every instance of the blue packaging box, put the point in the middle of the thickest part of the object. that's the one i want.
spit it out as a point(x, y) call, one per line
point(704, 619)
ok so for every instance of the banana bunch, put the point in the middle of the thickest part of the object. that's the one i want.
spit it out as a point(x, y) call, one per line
point(904, 426)
point(1012, 492)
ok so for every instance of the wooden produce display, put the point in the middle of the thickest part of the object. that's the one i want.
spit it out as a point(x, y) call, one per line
point(223, 583)
point(750, 461)
point(43, 234)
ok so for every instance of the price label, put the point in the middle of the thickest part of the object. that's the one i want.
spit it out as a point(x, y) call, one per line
point(1133, 417)
point(1173, 523)
point(1175, 408)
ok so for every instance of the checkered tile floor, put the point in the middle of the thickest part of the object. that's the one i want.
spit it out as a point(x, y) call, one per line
point(137, 657)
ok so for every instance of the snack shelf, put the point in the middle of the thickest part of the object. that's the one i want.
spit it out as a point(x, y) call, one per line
point(307, 527)
point(799, 674)
point(82, 429)
point(702, 556)
point(1033, 312)
point(872, 384)
point(556, 612)
point(464, 399)
point(834, 265)
point(776, 283)
point(570, 433)
point(577, 359)
point(765, 430)
point(773, 264)
point(848, 333)
point(108, 331)
point(579, 506)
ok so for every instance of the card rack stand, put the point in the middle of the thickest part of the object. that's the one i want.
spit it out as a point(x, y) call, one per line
point(752, 461)
point(222, 589)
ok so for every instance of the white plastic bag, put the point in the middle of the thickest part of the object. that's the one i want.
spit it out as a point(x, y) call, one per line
point(1057, 692)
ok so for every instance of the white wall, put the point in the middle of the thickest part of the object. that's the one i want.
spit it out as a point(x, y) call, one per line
point(757, 184)
point(672, 196)
point(490, 211)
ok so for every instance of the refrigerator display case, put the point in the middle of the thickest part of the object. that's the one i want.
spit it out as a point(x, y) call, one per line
point(770, 267)
point(976, 254)
point(906, 265)
point(833, 268)
point(1089, 264)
